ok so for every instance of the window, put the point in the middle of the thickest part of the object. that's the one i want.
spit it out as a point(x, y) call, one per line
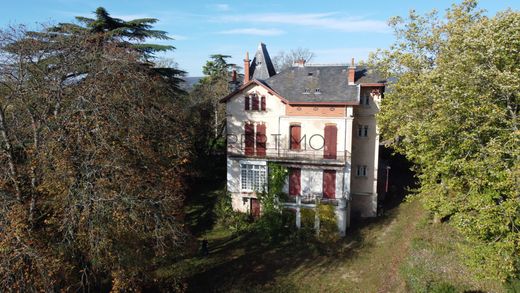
point(262, 103)
point(363, 130)
point(317, 91)
point(295, 131)
point(254, 102)
point(361, 170)
point(253, 177)
point(329, 183)
point(295, 187)
point(365, 100)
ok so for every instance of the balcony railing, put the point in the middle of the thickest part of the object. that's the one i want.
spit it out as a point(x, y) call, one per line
point(295, 155)
point(309, 200)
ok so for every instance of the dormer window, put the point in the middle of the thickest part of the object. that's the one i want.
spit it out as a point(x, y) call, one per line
point(306, 91)
point(317, 91)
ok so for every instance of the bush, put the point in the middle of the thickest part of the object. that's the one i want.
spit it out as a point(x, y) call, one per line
point(228, 218)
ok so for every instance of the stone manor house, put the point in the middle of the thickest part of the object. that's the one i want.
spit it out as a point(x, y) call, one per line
point(317, 120)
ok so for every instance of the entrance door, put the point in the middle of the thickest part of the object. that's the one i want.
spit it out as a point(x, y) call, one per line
point(255, 208)
point(330, 142)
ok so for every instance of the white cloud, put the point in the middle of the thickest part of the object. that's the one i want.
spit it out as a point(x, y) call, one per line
point(253, 31)
point(317, 20)
point(222, 7)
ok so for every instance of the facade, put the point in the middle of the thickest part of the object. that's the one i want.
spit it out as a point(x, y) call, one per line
point(319, 121)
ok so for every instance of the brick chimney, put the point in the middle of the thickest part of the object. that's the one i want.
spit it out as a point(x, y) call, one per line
point(246, 68)
point(351, 73)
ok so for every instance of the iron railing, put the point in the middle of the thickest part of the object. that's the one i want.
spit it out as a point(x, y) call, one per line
point(296, 155)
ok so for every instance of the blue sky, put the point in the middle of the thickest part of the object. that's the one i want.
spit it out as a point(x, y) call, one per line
point(334, 30)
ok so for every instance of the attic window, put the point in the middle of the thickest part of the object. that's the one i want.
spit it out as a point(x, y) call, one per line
point(317, 91)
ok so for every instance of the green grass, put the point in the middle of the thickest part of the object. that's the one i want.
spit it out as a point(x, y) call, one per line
point(400, 252)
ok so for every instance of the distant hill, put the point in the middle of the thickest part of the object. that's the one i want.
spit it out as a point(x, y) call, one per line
point(189, 82)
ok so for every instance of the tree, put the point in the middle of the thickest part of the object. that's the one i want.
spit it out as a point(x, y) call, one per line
point(106, 30)
point(205, 96)
point(285, 60)
point(93, 152)
point(453, 111)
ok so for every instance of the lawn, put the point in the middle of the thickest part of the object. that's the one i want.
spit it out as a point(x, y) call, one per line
point(399, 252)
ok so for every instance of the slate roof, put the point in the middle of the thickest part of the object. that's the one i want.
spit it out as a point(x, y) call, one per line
point(322, 84)
point(262, 67)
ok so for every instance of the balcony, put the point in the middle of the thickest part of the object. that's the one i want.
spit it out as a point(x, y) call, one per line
point(300, 156)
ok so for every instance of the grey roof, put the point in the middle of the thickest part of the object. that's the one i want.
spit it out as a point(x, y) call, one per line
point(368, 75)
point(262, 67)
point(320, 83)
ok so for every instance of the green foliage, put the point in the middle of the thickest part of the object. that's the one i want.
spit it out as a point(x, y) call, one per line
point(228, 218)
point(217, 66)
point(442, 288)
point(272, 225)
point(114, 28)
point(328, 224)
point(453, 110)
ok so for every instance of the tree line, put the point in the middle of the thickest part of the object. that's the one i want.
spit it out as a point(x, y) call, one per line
point(453, 111)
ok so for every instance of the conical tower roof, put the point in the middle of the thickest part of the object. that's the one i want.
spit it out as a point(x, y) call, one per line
point(262, 66)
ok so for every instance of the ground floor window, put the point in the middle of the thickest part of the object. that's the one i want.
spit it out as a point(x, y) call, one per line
point(253, 177)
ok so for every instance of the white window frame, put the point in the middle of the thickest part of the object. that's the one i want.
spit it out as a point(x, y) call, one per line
point(362, 171)
point(253, 176)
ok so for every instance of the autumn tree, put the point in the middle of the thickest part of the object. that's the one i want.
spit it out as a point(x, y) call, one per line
point(93, 149)
point(284, 60)
point(453, 110)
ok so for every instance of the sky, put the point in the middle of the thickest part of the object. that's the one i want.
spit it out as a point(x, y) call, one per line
point(335, 31)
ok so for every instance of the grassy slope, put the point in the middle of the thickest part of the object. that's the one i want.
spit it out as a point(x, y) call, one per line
point(401, 252)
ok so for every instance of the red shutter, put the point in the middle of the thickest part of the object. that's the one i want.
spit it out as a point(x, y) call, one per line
point(329, 183)
point(262, 102)
point(295, 137)
point(255, 103)
point(295, 181)
point(261, 140)
point(249, 139)
point(255, 208)
point(330, 142)
point(246, 103)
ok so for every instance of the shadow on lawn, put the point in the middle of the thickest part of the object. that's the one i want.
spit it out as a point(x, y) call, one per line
point(205, 190)
point(245, 264)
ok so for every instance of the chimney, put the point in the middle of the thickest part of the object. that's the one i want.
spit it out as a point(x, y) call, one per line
point(246, 68)
point(234, 74)
point(351, 73)
point(300, 62)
